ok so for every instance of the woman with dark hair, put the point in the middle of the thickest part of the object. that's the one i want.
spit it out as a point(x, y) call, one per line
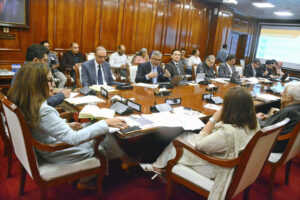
point(226, 134)
point(30, 91)
point(141, 56)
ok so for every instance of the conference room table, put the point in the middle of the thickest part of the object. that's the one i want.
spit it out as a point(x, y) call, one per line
point(146, 147)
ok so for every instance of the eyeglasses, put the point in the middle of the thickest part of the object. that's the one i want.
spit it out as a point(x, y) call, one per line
point(156, 59)
point(101, 57)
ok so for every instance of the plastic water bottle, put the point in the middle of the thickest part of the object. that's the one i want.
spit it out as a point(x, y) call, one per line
point(13, 68)
point(19, 66)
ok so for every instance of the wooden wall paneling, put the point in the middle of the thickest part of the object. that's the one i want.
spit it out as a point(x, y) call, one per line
point(109, 24)
point(144, 22)
point(195, 29)
point(152, 26)
point(128, 21)
point(90, 25)
point(173, 19)
point(161, 15)
point(68, 23)
point(185, 25)
point(121, 14)
point(51, 23)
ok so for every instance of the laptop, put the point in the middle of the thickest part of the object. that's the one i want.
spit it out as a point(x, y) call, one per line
point(174, 82)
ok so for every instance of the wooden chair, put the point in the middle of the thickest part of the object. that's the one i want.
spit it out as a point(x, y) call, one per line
point(78, 76)
point(276, 160)
point(5, 138)
point(247, 166)
point(48, 174)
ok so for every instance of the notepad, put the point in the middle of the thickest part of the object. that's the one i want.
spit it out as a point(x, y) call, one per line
point(106, 87)
point(94, 112)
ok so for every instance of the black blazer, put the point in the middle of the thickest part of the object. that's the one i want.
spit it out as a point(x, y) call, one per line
point(171, 67)
point(144, 69)
point(67, 60)
point(248, 71)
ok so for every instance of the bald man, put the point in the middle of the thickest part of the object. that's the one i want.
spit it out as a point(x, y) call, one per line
point(97, 71)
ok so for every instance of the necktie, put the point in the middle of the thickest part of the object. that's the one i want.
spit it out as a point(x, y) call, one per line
point(100, 79)
point(254, 71)
point(154, 80)
point(177, 67)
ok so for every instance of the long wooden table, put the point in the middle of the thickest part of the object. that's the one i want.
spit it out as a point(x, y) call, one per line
point(148, 146)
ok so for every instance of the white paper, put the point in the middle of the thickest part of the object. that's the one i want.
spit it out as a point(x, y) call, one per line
point(85, 100)
point(7, 73)
point(267, 97)
point(147, 85)
point(220, 80)
point(73, 94)
point(106, 87)
point(182, 110)
point(212, 106)
point(253, 80)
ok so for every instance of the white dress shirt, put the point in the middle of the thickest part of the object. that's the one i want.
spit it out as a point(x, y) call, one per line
point(116, 60)
point(193, 60)
point(103, 77)
point(229, 68)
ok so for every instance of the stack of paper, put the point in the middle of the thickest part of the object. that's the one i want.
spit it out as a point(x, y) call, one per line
point(147, 85)
point(221, 80)
point(94, 112)
point(84, 100)
point(267, 97)
point(106, 87)
point(212, 106)
point(187, 111)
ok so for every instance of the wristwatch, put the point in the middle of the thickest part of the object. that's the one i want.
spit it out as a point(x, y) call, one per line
point(213, 120)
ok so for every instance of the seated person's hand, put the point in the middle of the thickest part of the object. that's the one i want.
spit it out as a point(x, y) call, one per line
point(272, 76)
point(265, 73)
point(75, 126)
point(117, 123)
point(152, 74)
point(167, 74)
point(66, 92)
point(123, 66)
point(261, 116)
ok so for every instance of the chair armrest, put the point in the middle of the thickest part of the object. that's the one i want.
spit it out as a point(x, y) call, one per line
point(99, 155)
point(217, 161)
point(49, 147)
point(284, 137)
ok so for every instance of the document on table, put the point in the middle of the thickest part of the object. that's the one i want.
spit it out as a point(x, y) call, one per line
point(221, 80)
point(107, 87)
point(94, 112)
point(147, 85)
point(85, 100)
point(73, 94)
point(188, 111)
point(267, 97)
point(253, 80)
point(167, 119)
point(212, 106)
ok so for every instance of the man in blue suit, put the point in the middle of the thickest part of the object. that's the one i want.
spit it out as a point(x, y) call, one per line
point(152, 72)
point(97, 71)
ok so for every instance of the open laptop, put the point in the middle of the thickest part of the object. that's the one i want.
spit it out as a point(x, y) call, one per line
point(174, 82)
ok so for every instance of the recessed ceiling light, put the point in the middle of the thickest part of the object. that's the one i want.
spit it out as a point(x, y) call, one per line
point(283, 13)
point(263, 5)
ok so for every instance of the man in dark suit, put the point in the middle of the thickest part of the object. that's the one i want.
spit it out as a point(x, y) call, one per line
point(207, 67)
point(252, 69)
point(97, 71)
point(152, 72)
point(72, 58)
point(175, 67)
point(226, 69)
point(267, 70)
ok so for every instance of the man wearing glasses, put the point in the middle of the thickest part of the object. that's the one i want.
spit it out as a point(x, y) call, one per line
point(152, 72)
point(97, 71)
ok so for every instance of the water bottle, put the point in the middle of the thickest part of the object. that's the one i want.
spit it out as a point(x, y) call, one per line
point(13, 68)
point(19, 66)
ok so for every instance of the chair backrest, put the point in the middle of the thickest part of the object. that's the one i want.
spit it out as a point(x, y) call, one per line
point(293, 146)
point(242, 62)
point(20, 136)
point(133, 70)
point(3, 124)
point(78, 76)
point(253, 158)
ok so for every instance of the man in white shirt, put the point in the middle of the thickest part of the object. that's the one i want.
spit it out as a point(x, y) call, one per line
point(118, 60)
point(226, 69)
point(194, 60)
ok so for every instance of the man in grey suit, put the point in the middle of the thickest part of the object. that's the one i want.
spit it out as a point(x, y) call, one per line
point(221, 55)
point(97, 71)
point(207, 67)
point(226, 69)
point(175, 67)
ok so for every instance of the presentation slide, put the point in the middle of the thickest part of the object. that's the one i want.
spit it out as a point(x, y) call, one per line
point(281, 43)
